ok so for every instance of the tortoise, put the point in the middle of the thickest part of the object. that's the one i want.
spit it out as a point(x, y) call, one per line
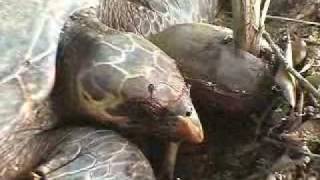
point(29, 124)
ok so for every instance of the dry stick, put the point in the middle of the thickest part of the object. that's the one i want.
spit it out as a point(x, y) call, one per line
point(288, 19)
point(301, 105)
point(304, 83)
point(264, 12)
point(293, 20)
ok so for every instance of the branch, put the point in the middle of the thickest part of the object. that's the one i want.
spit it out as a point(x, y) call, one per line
point(288, 19)
point(305, 83)
point(264, 12)
point(293, 20)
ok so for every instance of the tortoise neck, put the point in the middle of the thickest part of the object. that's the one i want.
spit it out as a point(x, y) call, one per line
point(138, 18)
point(149, 17)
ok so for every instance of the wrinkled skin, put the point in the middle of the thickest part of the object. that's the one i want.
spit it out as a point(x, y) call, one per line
point(146, 17)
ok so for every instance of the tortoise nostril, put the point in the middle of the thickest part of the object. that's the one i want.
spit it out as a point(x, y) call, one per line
point(151, 89)
point(189, 112)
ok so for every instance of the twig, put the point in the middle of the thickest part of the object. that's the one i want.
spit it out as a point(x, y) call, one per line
point(308, 65)
point(304, 83)
point(264, 12)
point(293, 20)
point(289, 19)
point(300, 105)
point(312, 155)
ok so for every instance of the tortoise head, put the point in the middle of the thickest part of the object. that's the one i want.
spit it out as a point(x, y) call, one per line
point(153, 102)
point(165, 112)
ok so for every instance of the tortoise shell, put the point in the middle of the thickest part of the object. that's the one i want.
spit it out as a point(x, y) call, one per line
point(93, 153)
point(29, 37)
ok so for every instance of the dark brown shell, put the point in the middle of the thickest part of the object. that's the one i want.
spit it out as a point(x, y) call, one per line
point(29, 35)
point(91, 153)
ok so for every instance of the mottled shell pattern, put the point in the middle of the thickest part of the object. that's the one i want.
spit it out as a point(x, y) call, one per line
point(29, 35)
point(90, 153)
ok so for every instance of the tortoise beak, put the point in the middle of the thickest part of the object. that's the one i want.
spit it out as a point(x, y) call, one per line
point(190, 129)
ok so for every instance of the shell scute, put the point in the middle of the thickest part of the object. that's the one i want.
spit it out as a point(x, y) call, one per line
point(104, 157)
point(100, 172)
